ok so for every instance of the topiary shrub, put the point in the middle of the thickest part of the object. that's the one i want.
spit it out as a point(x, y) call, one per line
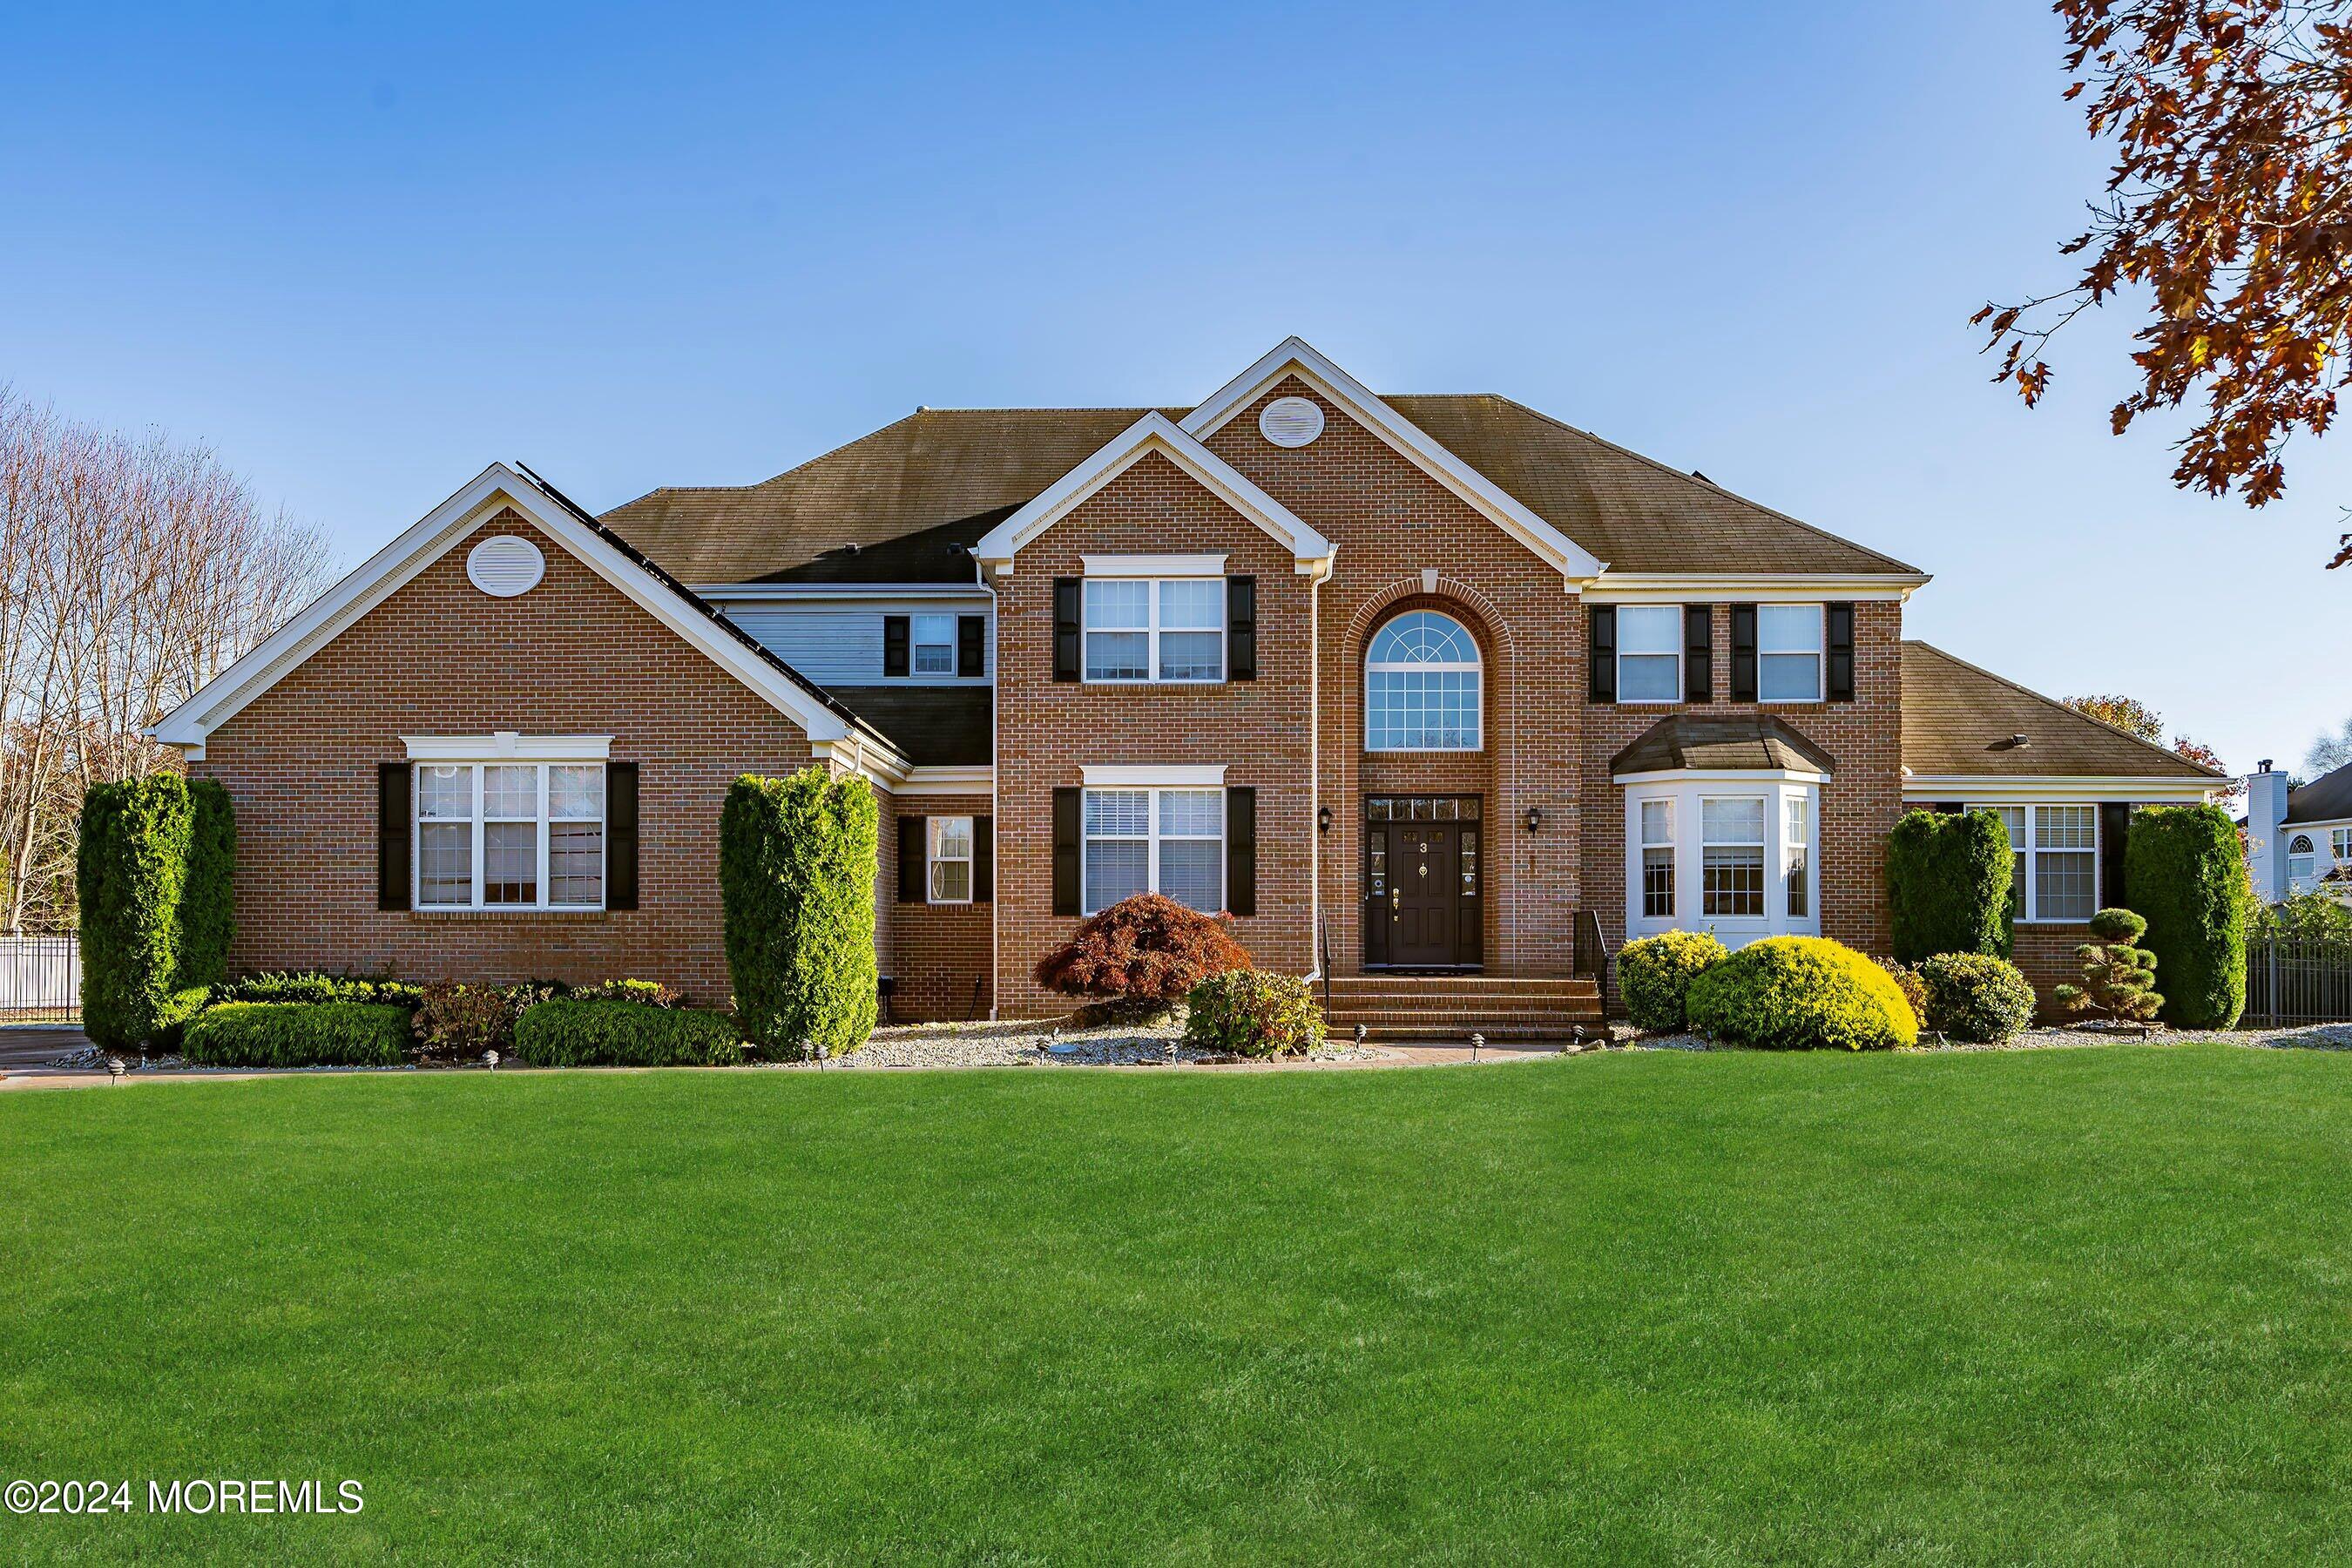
point(1253, 1013)
point(1655, 975)
point(1906, 980)
point(297, 1035)
point(1142, 949)
point(1801, 993)
point(1948, 884)
point(1974, 996)
point(573, 1032)
point(797, 862)
point(2119, 979)
point(2182, 868)
point(130, 868)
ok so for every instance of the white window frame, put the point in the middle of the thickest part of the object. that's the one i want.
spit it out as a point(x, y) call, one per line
point(916, 644)
point(2028, 853)
point(1818, 650)
point(1151, 838)
point(1674, 614)
point(1671, 844)
point(2298, 880)
point(478, 820)
point(1766, 805)
point(1476, 666)
point(1797, 837)
point(2339, 846)
point(1686, 795)
point(1152, 588)
point(935, 831)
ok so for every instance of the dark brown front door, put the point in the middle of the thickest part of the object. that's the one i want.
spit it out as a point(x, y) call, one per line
point(1423, 871)
point(1422, 897)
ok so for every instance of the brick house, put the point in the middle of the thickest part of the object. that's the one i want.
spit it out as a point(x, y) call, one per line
point(1435, 695)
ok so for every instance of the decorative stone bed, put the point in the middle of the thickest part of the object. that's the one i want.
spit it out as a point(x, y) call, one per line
point(1033, 1042)
point(2296, 1037)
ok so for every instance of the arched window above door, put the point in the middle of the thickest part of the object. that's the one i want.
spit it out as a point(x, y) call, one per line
point(1423, 686)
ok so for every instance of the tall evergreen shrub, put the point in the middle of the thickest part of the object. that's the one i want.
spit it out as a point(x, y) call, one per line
point(1948, 884)
point(2184, 876)
point(797, 862)
point(152, 874)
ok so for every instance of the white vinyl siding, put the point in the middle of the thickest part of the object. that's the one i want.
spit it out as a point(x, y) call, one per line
point(839, 645)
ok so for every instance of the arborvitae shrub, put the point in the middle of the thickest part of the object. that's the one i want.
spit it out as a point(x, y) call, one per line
point(2184, 873)
point(1146, 948)
point(131, 866)
point(208, 895)
point(1948, 884)
point(1655, 975)
point(797, 861)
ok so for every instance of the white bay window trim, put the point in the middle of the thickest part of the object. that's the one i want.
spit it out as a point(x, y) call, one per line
point(1782, 848)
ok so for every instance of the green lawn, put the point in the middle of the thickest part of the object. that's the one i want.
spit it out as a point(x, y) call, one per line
point(2063, 1306)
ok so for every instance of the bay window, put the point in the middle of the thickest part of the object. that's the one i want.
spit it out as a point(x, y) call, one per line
point(1164, 629)
point(1166, 841)
point(509, 834)
point(1734, 854)
point(1731, 879)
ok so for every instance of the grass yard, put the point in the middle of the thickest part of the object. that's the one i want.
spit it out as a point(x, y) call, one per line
point(2064, 1306)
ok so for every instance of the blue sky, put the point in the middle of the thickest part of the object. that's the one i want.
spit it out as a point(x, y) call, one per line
point(364, 251)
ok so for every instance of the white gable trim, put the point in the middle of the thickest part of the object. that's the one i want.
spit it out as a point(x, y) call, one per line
point(1296, 356)
point(383, 573)
point(1155, 433)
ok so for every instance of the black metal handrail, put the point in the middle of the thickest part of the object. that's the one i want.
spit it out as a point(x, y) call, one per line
point(1323, 942)
point(1592, 952)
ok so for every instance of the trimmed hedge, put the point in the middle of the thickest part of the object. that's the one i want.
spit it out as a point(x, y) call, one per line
point(2184, 874)
point(797, 862)
point(1975, 997)
point(1655, 976)
point(566, 1033)
point(1948, 884)
point(297, 1035)
point(1253, 1013)
point(1801, 993)
point(1144, 948)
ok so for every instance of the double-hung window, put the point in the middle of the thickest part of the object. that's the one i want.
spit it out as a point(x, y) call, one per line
point(1658, 859)
point(934, 642)
point(1731, 848)
point(1155, 629)
point(509, 836)
point(2055, 863)
point(1788, 653)
point(947, 855)
point(1166, 841)
point(1649, 653)
point(2340, 844)
point(1796, 847)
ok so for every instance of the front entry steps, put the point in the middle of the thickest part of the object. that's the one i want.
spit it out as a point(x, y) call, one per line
point(1426, 1008)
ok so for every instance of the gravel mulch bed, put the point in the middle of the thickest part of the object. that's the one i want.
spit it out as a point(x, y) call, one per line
point(2298, 1037)
point(1032, 1042)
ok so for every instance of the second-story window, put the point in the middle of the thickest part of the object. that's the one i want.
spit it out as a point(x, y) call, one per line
point(934, 638)
point(1788, 653)
point(1155, 629)
point(1650, 653)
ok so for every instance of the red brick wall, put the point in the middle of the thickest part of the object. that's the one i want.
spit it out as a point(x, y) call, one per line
point(937, 953)
point(571, 656)
point(1859, 806)
point(2046, 954)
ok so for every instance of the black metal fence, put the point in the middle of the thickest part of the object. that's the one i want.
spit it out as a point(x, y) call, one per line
point(2291, 980)
point(40, 978)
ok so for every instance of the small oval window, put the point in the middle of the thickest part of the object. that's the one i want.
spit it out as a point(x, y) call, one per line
point(506, 566)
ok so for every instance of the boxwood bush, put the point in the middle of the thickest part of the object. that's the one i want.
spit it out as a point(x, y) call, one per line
point(797, 861)
point(1948, 884)
point(2186, 876)
point(1801, 993)
point(1253, 1013)
point(297, 1035)
point(1655, 975)
point(567, 1033)
point(1975, 997)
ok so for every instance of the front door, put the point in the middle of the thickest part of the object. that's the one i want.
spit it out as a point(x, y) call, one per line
point(1420, 884)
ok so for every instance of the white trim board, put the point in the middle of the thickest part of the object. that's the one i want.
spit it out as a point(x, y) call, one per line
point(1154, 565)
point(503, 743)
point(490, 492)
point(1762, 588)
point(1992, 789)
point(1154, 433)
point(1295, 356)
point(1154, 775)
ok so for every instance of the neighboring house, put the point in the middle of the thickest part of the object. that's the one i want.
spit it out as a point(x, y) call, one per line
point(1410, 686)
point(2299, 840)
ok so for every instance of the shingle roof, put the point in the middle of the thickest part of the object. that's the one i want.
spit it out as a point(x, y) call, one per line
point(1958, 719)
point(942, 477)
point(1711, 742)
point(2328, 799)
point(935, 726)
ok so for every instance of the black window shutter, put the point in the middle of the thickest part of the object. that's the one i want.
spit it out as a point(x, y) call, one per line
point(1840, 660)
point(914, 883)
point(620, 835)
point(894, 645)
point(392, 836)
point(1066, 630)
point(1066, 851)
point(1602, 664)
point(2115, 829)
point(1743, 652)
point(983, 859)
point(971, 632)
point(1948, 808)
point(1698, 653)
point(1241, 851)
point(1241, 628)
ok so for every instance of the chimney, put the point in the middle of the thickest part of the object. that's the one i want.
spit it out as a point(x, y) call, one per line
point(2265, 843)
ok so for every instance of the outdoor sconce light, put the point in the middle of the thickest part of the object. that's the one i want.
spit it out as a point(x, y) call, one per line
point(1535, 817)
point(1323, 819)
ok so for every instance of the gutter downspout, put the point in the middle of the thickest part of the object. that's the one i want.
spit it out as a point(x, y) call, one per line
point(995, 718)
point(1315, 770)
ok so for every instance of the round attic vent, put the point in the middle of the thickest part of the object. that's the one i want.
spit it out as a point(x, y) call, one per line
point(505, 566)
point(1290, 422)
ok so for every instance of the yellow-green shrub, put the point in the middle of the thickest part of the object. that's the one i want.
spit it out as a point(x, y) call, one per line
point(1803, 993)
point(1655, 975)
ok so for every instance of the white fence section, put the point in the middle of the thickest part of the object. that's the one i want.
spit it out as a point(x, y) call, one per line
point(39, 975)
